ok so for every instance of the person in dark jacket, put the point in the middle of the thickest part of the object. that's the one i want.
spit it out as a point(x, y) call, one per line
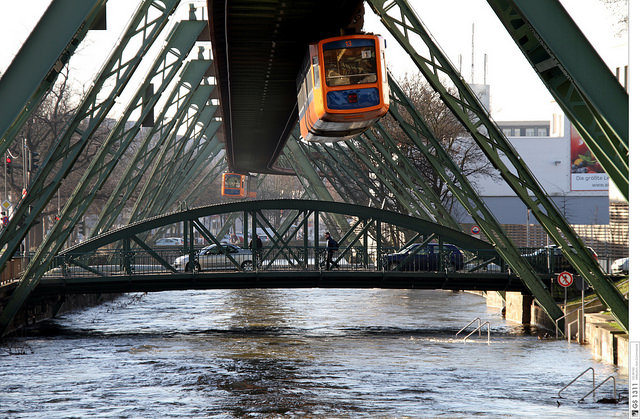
point(258, 249)
point(332, 246)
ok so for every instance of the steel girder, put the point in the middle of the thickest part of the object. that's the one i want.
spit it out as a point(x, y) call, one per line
point(166, 66)
point(179, 99)
point(417, 130)
point(190, 169)
point(144, 28)
point(304, 170)
point(411, 175)
point(385, 175)
point(41, 58)
point(576, 76)
point(343, 174)
point(424, 227)
point(467, 108)
point(198, 122)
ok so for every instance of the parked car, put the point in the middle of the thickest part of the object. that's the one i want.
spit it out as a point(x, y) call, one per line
point(550, 259)
point(217, 257)
point(426, 258)
point(170, 241)
point(620, 266)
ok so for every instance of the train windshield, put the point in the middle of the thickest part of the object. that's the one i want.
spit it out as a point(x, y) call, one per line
point(232, 181)
point(350, 62)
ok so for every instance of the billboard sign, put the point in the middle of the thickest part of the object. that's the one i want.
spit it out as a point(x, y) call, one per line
point(586, 172)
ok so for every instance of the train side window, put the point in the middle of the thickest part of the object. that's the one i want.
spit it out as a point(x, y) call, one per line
point(316, 72)
point(309, 82)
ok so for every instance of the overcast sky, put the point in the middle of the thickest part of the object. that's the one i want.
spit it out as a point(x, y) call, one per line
point(517, 93)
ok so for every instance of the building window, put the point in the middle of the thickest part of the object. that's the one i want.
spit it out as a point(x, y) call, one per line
point(516, 132)
point(542, 132)
point(506, 131)
point(530, 132)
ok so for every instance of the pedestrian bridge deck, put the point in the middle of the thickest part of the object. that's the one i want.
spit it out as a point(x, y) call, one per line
point(365, 278)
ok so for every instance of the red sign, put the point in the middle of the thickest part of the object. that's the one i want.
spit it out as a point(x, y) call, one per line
point(565, 279)
point(475, 230)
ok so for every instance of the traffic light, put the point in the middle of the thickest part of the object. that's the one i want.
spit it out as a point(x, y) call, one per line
point(8, 165)
point(33, 162)
point(81, 227)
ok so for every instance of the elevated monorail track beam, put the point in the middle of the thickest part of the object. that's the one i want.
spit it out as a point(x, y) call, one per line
point(258, 50)
point(400, 19)
point(579, 80)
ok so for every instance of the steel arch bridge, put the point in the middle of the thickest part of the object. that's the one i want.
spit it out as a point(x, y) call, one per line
point(181, 143)
point(126, 260)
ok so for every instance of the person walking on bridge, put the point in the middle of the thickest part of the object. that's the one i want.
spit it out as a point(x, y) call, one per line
point(332, 246)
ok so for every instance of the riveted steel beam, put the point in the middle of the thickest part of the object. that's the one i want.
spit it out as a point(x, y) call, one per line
point(168, 192)
point(171, 151)
point(304, 170)
point(411, 176)
point(41, 58)
point(417, 129)
point(345, 178)
point(406, 27)
point(179, 100)
point(144, 28)
point(330, 172)
point(166, 66)
point(576, 76)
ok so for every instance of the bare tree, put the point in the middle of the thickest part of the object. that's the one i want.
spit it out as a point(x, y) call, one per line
point(451, 134)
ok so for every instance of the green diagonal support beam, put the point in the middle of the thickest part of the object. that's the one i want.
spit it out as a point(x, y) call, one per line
point(576, 76)
point(145, 26)
point(417, 129)
point(338, 174)
point(406, 27)
point(304, 170)
point(41, 58)
point(411, 176)
point(160, 178)
point(385, 176)
point(179, 100)
point(166, 66)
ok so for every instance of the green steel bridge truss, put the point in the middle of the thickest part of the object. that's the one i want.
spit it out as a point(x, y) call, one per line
point(181, 144)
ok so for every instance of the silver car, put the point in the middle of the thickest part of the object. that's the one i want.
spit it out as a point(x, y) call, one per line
point(217, 257)
point(620, 266)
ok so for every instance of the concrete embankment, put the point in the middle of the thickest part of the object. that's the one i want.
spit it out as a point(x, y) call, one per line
point(609, 344)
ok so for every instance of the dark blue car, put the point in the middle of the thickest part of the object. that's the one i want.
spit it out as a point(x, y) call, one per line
point(426, 258)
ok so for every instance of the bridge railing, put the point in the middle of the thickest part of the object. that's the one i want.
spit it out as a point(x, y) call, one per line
point(109, 262)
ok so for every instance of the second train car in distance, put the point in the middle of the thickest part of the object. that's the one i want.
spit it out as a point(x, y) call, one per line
point(235, 185)
point(342, 87)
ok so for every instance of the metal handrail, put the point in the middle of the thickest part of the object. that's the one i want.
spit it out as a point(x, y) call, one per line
point(479, 334)
point(569, 330)
point(593, 373)
point(598, 386)
point(469, 324)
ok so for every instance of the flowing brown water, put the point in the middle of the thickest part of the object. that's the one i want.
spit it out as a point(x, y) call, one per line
point(294, 353)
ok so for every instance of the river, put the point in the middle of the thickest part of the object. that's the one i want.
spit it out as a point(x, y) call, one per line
point(294, 353)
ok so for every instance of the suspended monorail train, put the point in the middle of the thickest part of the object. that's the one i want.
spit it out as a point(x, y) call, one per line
point(342, 87)
point(235, 185)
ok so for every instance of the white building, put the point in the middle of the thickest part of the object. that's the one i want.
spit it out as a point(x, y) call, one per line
point(583, 198)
